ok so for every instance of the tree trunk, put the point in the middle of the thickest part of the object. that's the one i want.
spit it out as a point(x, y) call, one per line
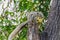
point(53, 24)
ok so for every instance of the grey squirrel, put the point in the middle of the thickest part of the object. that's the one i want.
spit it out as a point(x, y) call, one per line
point(20, 26)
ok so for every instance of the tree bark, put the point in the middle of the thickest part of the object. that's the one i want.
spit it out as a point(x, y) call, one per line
point(53, 24)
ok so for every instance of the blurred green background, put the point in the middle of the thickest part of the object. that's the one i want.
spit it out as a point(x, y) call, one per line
point(13, 12)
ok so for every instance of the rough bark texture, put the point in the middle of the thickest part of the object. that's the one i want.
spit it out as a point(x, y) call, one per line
point(53, 24)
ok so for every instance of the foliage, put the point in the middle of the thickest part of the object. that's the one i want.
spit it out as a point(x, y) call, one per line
point(10, 19)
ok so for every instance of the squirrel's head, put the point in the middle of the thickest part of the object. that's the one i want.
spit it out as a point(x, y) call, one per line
point(36, 17)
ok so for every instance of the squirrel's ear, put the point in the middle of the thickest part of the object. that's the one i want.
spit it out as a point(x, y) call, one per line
point(41, 14)
point(27, 15)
